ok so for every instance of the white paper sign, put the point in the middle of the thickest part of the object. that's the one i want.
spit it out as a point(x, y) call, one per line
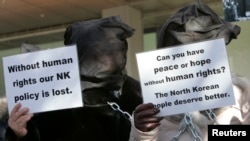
point(44, 80)
point(186, 78)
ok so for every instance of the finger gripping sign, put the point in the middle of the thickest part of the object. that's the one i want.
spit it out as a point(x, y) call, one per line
point(186, 78)
point(44, 80)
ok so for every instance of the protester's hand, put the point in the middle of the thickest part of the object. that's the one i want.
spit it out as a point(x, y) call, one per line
point(18, 120)
point(144, 117)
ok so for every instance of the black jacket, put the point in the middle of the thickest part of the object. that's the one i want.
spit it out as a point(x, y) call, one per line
point(90, 123)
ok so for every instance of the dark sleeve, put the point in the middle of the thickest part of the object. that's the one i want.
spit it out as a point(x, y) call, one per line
point(131, 95)
point(3, 126)
point(33, 134)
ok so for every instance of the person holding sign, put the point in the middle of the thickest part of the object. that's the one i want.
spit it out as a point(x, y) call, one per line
point(193, 23)
point(106, 90)
point(148, 127)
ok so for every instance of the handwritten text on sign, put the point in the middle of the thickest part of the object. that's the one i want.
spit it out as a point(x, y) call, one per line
point(186, 78)
point(44, 80)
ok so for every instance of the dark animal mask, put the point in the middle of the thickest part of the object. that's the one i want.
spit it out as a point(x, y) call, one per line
point(102, 49)
point(102, 52)
point(195, 22)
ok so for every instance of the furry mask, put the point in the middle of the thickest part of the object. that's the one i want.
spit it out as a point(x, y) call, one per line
point(195, 22)
point(102, 49)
